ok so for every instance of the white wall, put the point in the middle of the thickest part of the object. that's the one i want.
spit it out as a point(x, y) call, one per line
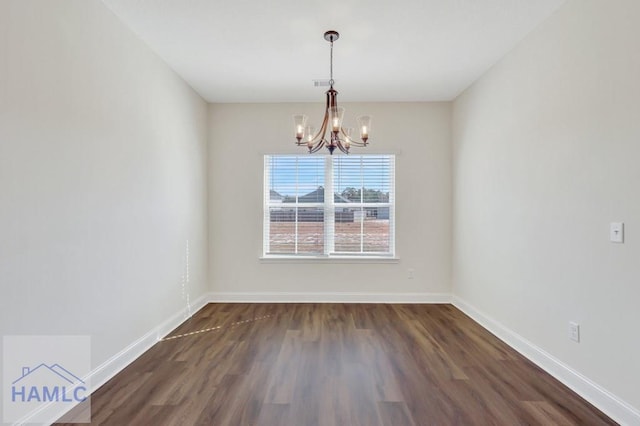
point(102, 177)
point(546, 154)
point(240, 134)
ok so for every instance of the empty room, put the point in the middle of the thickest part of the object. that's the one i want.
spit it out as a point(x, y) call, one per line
point(168, 255)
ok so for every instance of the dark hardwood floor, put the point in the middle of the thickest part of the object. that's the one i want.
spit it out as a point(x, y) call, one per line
point(335, 364)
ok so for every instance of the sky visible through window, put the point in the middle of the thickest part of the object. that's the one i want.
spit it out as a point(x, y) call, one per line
point(300, 175)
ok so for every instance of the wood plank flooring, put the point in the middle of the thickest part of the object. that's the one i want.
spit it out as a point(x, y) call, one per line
point(338, 365)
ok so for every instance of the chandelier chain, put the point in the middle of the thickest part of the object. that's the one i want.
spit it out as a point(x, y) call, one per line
point(331, 66)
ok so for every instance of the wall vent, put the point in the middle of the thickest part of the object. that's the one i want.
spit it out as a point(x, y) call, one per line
point(322, 83)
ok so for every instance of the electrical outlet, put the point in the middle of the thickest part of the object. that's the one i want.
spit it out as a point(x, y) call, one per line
point(616, 232)
point(410, 273)
point(574, 331)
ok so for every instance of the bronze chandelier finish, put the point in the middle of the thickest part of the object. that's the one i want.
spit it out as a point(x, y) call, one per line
point(338, 137)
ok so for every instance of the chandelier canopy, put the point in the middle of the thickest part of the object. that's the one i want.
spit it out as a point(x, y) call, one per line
point(339, 137)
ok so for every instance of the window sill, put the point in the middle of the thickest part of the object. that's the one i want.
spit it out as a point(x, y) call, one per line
point(329, 259)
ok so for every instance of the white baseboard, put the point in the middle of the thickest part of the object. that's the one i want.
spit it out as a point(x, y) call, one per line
point(284, 297)
point(108, 369)
point(608, 403)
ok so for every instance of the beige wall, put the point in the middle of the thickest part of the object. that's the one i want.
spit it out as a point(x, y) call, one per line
point(240, 134)
point(102, 177)
point(103, 180)
point(546, 155)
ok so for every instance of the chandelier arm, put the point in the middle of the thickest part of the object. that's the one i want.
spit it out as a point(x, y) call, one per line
point(346, 136)
point(317, 147)
point(342, 147)
point(323, 128)
point(350, 140)
point(358, 143)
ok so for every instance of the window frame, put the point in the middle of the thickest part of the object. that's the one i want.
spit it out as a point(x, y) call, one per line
point(329, 208)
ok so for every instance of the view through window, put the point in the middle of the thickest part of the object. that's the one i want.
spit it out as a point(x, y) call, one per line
point(358, 220)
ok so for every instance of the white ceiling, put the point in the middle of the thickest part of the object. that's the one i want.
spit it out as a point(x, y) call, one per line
point(271, 50)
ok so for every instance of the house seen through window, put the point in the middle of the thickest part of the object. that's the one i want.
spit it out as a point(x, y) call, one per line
point(300, 218)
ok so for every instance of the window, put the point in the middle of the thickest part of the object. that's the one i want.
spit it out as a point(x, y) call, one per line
point(358, 220)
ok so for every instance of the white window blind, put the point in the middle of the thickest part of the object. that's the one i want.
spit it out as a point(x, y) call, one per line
point(358, 220)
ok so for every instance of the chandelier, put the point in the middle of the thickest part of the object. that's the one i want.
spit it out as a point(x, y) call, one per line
point(339, 137)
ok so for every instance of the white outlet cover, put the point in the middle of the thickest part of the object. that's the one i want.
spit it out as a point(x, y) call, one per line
point(574, 331)
point(616, 232)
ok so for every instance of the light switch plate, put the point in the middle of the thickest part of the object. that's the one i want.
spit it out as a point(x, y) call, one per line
point(616, 232)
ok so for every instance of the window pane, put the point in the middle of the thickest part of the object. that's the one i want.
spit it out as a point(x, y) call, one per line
point(362, 179)
point(347, 178)
point(292, 177)
point(376, 179)
point(282, 230)
point(288, 236)
point(376, 228)
point(311, 230)
point(362, 230)
point(348, 229)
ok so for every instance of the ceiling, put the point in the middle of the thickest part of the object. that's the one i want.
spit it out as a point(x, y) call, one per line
point(272, 50)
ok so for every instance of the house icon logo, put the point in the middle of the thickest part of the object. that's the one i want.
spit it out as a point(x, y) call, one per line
point(44, 378)
point(48, 383)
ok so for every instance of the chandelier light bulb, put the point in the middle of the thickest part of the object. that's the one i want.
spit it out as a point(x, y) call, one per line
point(335, 116)
point(364, 122)
point(309, 133)
point(300, 123)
